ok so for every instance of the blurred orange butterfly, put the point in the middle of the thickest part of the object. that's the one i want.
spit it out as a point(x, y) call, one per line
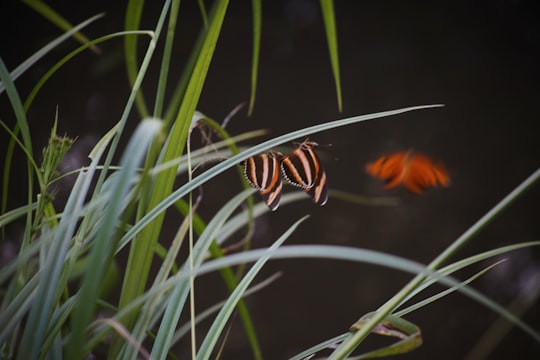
point(414, 171)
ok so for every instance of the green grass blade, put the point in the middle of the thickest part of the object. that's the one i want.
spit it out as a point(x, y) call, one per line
point(325, 345)
point(119, 127)
point(34, 331)
point(38, 319)
point(23, 256)
point(446, 292)
point(213, 334)
point(14, 214)
point(327, 7)
point(458, 265)
point(367, 256)
point(229, 277)
point(71, 55)
point(58, 320)
point(202, 9)
point(257, 26)
point(486, 219)
point(351, 343)
point(240, 220)
point(152, 308)
point(50, 14)
point(257, 149)
point(141, 252)
point(133, 19)
point(179, 294)
point(13, 314)
point(340, 253)
point(409, 336)
point(166, 60)
point(14, 140)
point(22, 123)
point(493, 336)
point(103, 246)
point(19, 70)
point(17, 106)
point(186, 328)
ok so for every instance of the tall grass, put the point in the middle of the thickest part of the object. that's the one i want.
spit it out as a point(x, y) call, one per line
point(55, 286)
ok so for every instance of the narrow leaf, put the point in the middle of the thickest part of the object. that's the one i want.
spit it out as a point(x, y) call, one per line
point(53, 16)
point(329, 17)
point(257, 26)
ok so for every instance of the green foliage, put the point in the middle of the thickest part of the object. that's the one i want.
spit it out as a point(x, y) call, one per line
point(63, 271)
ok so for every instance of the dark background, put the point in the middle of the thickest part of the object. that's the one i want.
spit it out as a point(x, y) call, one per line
point(479, 58)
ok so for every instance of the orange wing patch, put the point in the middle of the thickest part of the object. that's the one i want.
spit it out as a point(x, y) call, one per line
point(414, 171)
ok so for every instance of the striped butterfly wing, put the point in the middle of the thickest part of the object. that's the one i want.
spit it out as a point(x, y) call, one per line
point(263, 173)
point(303, 169)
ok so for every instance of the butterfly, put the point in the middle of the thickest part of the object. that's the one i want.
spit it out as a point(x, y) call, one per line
point(263, 173)
point(414, 171)
point(300, 168)
point(303, 169)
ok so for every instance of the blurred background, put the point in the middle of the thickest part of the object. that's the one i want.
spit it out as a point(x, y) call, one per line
point(480, 58)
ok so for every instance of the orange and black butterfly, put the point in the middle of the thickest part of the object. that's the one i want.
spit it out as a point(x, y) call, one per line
point(263, 173)
point(414, 171)
point(303, 169)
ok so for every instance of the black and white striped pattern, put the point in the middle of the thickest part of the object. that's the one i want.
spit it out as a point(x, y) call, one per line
point(303, 169)
point(263, 173)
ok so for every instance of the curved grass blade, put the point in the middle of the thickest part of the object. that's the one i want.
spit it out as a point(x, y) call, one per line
point(257, 26)
point(260, 148)
point(212, 336)
point(329, 17)
point(204, 16)
point(493, 336)
point(70, 56)
point(325, 345)
point(103, 246)
point(58, 320)
point(22, 123)
point(338, 339)
point(14, 214)
point(17, 107)
point(133, 19)
point(323, 252)
point(184, 329)
point(166, 60)
point(351, 343)
point(13, 314)
point(227, 274)
point(50, 14)
point(19, 70)
point(409, 334)
point(119, 127)
point(141, 252)
point(153, 308)
point(51, 277)
point(442, 294)
point(179, 295)
point(458, 265)
point(372, 257)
